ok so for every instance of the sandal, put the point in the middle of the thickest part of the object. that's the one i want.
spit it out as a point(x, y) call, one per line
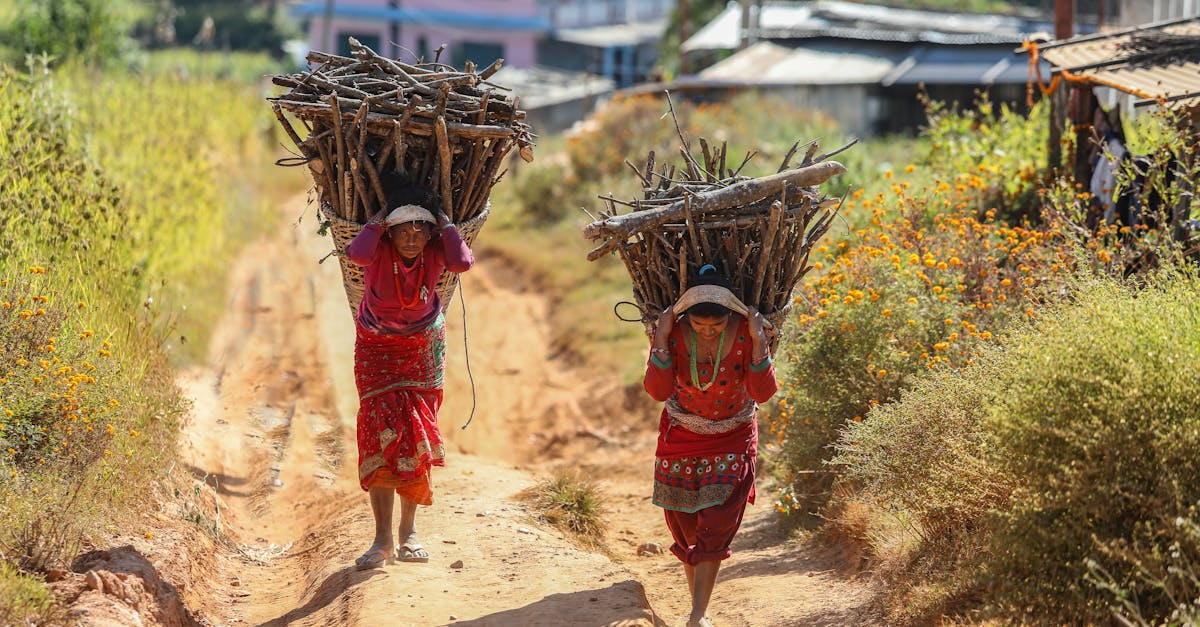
point(373, 559)
point(412, 553)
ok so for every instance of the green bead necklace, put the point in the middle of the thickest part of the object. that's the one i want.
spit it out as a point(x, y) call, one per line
point(716, 361)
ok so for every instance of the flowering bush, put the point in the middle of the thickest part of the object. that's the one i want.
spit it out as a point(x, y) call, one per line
point(62, 395)
point(966, 373)
point(925, 279)
point(121, 207)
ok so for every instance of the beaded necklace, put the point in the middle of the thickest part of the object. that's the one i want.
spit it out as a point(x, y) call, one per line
point(716, 361)
point(419, 292)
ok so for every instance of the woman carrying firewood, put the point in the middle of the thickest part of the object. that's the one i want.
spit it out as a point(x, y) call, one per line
point(710, 364)
point(399, 362)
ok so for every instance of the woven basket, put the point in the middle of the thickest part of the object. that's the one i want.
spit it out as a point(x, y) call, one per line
point(352, 274)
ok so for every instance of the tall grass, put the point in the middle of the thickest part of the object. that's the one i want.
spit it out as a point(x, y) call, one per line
point(123, 207)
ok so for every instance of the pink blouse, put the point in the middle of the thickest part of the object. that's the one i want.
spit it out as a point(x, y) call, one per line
point(417, 303)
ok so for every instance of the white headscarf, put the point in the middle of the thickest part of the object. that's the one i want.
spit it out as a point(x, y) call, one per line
point(409, 213)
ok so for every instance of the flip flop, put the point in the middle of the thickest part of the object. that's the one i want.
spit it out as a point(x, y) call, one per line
point(412, 553)
point(373, 559)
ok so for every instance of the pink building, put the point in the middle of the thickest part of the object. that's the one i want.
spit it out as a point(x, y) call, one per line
point(476, 30)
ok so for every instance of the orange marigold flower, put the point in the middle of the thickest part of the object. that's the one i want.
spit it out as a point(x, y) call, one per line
point(886, 312)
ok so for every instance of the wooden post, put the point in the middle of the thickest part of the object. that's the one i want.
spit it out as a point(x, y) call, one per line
point(744, 38)
point(1064, 19)
point(683, 35)
point(1064, 28)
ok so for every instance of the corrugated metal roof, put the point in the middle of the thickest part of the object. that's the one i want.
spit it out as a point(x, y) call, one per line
point(766, 63)
point(427, 17)
point(614, 34)
point(1100, 60)
point(851, 20)
point(959, 65)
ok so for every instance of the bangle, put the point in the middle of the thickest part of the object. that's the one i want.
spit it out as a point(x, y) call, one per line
point(660, 351)
point(448, 225)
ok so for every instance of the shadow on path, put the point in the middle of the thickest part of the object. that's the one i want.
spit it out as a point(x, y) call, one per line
point(623, 603)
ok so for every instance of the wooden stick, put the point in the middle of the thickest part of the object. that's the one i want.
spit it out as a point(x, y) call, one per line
point(443, 148)
point(721, 198)
point(341, 158)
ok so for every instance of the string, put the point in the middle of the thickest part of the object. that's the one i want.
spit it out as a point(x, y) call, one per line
point(467, 352)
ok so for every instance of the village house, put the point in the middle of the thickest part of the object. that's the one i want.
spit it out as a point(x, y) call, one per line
point(862, 64)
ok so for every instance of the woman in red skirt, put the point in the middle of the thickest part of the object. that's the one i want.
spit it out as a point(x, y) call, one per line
point(399, 362)
point(711, 368)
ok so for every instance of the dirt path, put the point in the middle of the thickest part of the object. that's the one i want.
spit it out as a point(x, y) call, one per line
point(273, 430)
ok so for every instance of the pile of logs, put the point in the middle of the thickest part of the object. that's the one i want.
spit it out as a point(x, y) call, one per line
point(758, 232)
point(370, 121)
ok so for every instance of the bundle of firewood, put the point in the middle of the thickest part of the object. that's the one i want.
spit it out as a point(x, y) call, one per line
point(371, 121)
point(758, 232)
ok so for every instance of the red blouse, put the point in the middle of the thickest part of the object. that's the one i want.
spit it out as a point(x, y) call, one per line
point(737, 383)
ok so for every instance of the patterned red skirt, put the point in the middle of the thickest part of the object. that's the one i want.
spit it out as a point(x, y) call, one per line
point(399, 379)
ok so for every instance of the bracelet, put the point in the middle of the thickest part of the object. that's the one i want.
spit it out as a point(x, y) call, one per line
point(660, 351)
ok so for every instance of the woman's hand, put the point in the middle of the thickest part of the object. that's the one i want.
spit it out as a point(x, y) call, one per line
point(662, 328)
point(758, 333)
point(442, 218)
point(379, 217)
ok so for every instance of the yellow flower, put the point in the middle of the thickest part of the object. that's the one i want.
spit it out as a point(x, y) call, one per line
point(886, 312)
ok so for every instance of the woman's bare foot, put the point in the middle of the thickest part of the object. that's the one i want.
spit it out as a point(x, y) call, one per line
point(703, 622)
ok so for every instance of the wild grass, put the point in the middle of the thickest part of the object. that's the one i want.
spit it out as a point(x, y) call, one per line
point(571, 503)
point(124, 206)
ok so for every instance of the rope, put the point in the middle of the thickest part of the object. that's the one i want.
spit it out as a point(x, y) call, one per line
point(467, 352)
point(1035, 78)
point(617, 312)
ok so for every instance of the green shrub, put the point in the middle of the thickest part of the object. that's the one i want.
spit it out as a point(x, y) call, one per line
point(26, 600)
point(92, 31)
point(1098, 429)
point(1066, 454)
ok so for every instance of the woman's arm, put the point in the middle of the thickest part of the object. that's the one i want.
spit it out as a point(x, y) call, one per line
point(455, 252)
point(363, 249)
point(760, 369)
point(660, 371)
